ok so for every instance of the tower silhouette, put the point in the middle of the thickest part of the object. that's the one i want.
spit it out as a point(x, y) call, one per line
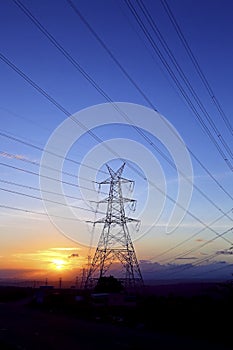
point(115, 244)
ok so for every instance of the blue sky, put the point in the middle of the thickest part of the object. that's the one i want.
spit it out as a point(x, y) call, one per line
point(27, 115)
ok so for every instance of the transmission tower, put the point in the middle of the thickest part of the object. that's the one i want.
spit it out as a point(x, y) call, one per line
point(115, 244)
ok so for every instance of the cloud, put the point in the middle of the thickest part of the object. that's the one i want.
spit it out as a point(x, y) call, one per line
point(19, 157)
point(12, 156)
point(20, 273)
point(187, 258)
point(74, 255)
point(225, 252)
point(64, 248)
point(47, 255)
point(154, 271)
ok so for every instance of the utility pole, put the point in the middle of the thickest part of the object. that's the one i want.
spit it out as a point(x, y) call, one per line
point(115, 244)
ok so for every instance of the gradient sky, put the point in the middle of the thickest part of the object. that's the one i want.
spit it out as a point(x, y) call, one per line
point(30, 241)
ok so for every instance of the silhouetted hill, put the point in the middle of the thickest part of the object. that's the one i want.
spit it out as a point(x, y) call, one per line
point(184, 288)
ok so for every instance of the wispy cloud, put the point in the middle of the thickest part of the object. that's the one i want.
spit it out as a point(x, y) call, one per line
point(12, 156)
point(18, 157)
point(45, 255)
point(187, 258)
point(187, 270)
point(48, 258)
point(74, 255)
point(65, 248)
point(225, 252)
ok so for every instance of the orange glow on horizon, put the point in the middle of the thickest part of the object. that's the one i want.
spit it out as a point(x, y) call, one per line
point(48, 261)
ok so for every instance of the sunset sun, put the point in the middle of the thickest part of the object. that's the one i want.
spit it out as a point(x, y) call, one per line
point(59, 264)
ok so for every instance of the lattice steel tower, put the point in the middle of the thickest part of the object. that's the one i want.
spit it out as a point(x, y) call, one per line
point(115, 244)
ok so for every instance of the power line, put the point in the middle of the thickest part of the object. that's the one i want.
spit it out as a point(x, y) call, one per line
point(44, 176)
point(38, 189)
point(13, 156)
point(217, 269)
point(60, 48)
point(26, 143)
point(64, 111)
point(54, 41)
point(66, 173)
point(186, 267)
point(71, 184)
point(48, 200)
point(34, 197)
point(205, 243)
point(38, 213)
point(97, 37)
point(60, 107)
point(81, 70)
point(201, 245)
point(210, 175)
point(200, 261)
point(28, 120)
point(179, 244)
point(52, 100)
point(183, 76)
point(116, 61)
point(210, 257)
point(196, 64)
point(73, 62)
point(136, 86)
point(30, 172)
point(189, 238)
point(46, 151)
point(178, 84)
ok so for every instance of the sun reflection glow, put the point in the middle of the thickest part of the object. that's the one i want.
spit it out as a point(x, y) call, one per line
point(59, 264)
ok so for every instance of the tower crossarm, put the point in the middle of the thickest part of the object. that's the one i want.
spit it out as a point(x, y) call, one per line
point(132, 220)
point(124, 180)
point(100, 221)
point(112, 220)
point(106, 200)
point(109, 180)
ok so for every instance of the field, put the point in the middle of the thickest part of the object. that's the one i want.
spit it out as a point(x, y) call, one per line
point(153, 320)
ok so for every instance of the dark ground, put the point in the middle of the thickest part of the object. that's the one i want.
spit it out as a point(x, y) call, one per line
point(154, 322)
